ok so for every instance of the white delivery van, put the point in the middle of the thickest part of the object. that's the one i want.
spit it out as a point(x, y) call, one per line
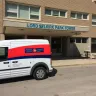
point(25, 57)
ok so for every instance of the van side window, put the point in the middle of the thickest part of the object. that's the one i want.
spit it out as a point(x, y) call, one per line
point(3, 53)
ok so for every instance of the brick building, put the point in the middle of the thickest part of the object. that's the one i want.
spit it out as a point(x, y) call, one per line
point(69, 25)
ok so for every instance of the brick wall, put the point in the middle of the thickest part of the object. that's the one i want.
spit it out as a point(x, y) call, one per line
point(70, 5)
point(1, 16)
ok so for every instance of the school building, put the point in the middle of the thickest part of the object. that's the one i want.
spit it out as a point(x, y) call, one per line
point(69, 25)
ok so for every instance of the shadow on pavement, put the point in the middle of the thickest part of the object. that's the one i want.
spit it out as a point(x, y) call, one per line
point(17, 79)
point(53, 73)
point(25, 78)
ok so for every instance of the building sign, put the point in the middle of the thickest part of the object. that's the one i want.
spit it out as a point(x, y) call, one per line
point(50, 26)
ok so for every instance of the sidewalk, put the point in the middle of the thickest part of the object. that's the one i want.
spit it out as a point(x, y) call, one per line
point(72, 62)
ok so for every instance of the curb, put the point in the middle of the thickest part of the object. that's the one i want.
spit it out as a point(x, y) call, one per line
point(73, 65)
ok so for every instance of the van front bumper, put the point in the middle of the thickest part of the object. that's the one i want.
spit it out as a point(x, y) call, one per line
point(51, 70)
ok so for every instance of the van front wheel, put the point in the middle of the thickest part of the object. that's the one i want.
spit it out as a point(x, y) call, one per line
point(40, 73)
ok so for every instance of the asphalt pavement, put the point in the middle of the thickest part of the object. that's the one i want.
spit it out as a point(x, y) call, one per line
point(65, 81)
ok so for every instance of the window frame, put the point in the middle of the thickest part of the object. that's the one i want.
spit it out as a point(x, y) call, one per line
point(6, 11)
point(19, 11)
point(18, 5)
point(48, 14)
point(85, 39)
point(81, 17)
point(65, 13)
point(76, 13)
point(93, 20)
point(87, 16)
point(77, 39)
point(93, 44)
point(35, 15)
point(55, 14)
point(59, 10)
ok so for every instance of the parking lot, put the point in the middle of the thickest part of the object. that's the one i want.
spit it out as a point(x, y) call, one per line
point(66, 81)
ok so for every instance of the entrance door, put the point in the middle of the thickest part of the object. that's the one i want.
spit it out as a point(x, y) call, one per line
point(4, 64)
point(56, 44)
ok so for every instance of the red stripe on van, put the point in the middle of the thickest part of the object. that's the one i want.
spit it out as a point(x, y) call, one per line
point(20, 51)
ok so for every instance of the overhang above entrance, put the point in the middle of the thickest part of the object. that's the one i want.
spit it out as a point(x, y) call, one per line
point(35, 28)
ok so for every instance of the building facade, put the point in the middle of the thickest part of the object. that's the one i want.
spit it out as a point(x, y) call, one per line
point(69, 25)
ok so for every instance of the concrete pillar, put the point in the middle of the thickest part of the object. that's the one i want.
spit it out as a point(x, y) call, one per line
point(89, 43)
point(89, 46)
point(65, 46)
point(2, 36)
point(68, 47)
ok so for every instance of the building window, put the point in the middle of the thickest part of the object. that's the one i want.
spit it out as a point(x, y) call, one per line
point(85, 16)
point(84, 40)
point(73, 15)
point(22, 11)
point(78, 40)
point(48, 12)
point(79, 15)
point(11, 10)
point(63, 13)
point(94, 20)
point(72, 40)
point(55, 13)
point(58, 13)
point(34, 12)
point(93, 45)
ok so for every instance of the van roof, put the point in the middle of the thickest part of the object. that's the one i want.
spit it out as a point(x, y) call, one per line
point(24, 40)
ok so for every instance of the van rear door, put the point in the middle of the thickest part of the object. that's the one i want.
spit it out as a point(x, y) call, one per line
point(4, 63)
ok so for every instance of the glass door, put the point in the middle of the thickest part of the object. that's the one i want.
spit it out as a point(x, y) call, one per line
point(56, 45)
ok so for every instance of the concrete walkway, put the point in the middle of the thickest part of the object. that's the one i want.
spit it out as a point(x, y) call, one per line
point(71, 62)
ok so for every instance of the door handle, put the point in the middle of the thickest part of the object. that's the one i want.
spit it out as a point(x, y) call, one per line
point(15, 62)
point(5, 62)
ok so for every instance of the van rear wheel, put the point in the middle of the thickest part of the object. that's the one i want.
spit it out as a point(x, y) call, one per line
point(40, 73)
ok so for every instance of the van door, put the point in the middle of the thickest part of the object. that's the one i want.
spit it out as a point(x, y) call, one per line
point(4, 63)
point(19, 63)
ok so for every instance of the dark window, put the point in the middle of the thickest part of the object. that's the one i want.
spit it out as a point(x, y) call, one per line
point(93, 48)
point(72, 40)
point(93, 23)
point(78, 40)
point(79, 16)
point(62, 13)
point(93, 40)
point(3, 53)
point(84, 40)
point(34, 17)
point(93, 45)
point(55, 13)
point(56, 45)
point(73, 15)
point(47, 11)
point(85, 16)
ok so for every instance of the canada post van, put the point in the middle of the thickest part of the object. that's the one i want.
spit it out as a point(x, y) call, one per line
point(25, 57)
